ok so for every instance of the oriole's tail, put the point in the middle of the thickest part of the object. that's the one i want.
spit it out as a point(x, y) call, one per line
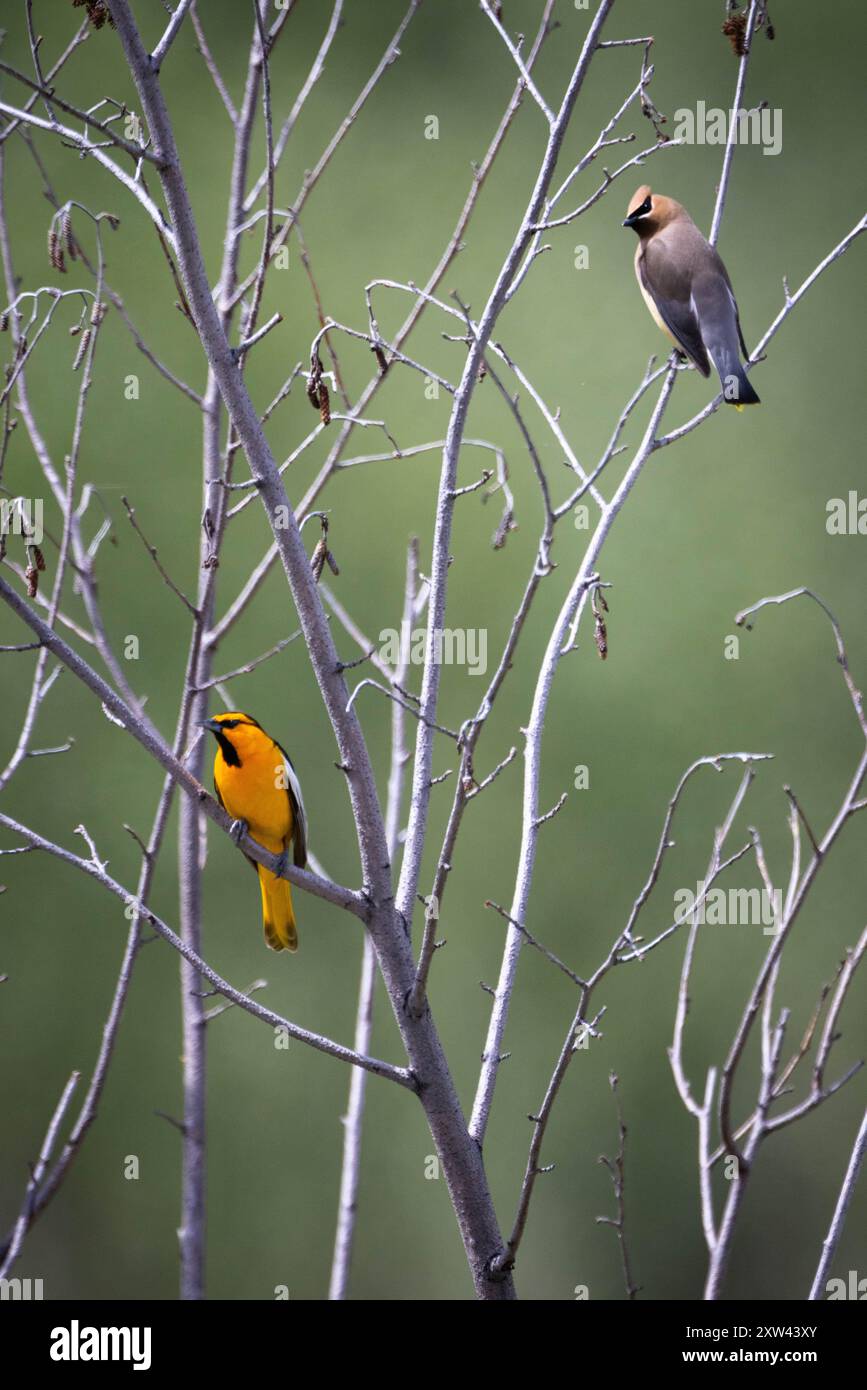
point(277, 914)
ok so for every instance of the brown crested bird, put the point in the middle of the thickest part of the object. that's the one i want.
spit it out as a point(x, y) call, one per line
point(688, 292)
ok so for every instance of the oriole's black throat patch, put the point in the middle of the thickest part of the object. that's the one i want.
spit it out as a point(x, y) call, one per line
point(228, 750)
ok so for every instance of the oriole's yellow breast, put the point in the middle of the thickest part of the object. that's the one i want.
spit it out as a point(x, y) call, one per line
point(256, 791)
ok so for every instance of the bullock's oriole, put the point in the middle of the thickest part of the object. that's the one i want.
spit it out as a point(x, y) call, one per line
point(256, 783)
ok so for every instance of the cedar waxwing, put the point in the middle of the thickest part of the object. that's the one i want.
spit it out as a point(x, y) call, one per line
point(688, 292)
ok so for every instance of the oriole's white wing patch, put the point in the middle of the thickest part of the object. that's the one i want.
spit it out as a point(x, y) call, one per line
point(300, 836)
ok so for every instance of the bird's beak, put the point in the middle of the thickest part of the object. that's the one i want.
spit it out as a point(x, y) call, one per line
point(209, 724)
point(629, 222)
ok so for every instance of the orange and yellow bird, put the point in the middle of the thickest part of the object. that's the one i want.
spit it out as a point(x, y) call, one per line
point(256, 783)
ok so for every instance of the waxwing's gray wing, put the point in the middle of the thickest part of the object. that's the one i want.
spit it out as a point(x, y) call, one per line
point(717, 314)
point(666, 277)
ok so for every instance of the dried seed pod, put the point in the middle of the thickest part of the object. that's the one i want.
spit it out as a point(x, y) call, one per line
point(66, 234)
point(317, 559)
point(314, 381)
point(82, 348)
point(600, 631)
point(380, 357)
point(55, 251)
point(735, 28)
point(4, 321)
point(600, 635)
point(324, 404)
point(506, 525)
point(97, 14)
point(332, 563)
point(35, 566)
point(98, 313)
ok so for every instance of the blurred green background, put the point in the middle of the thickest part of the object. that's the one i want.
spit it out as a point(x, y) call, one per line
point(735, 511)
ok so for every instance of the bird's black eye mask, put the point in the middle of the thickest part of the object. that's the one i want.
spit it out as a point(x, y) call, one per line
point(227, 747)
point(643, 211)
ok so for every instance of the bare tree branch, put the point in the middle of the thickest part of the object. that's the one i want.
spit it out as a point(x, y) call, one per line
point(847, 1191)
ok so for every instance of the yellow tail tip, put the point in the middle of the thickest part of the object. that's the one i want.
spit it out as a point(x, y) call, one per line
point(278, 918)
point(280, 941)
